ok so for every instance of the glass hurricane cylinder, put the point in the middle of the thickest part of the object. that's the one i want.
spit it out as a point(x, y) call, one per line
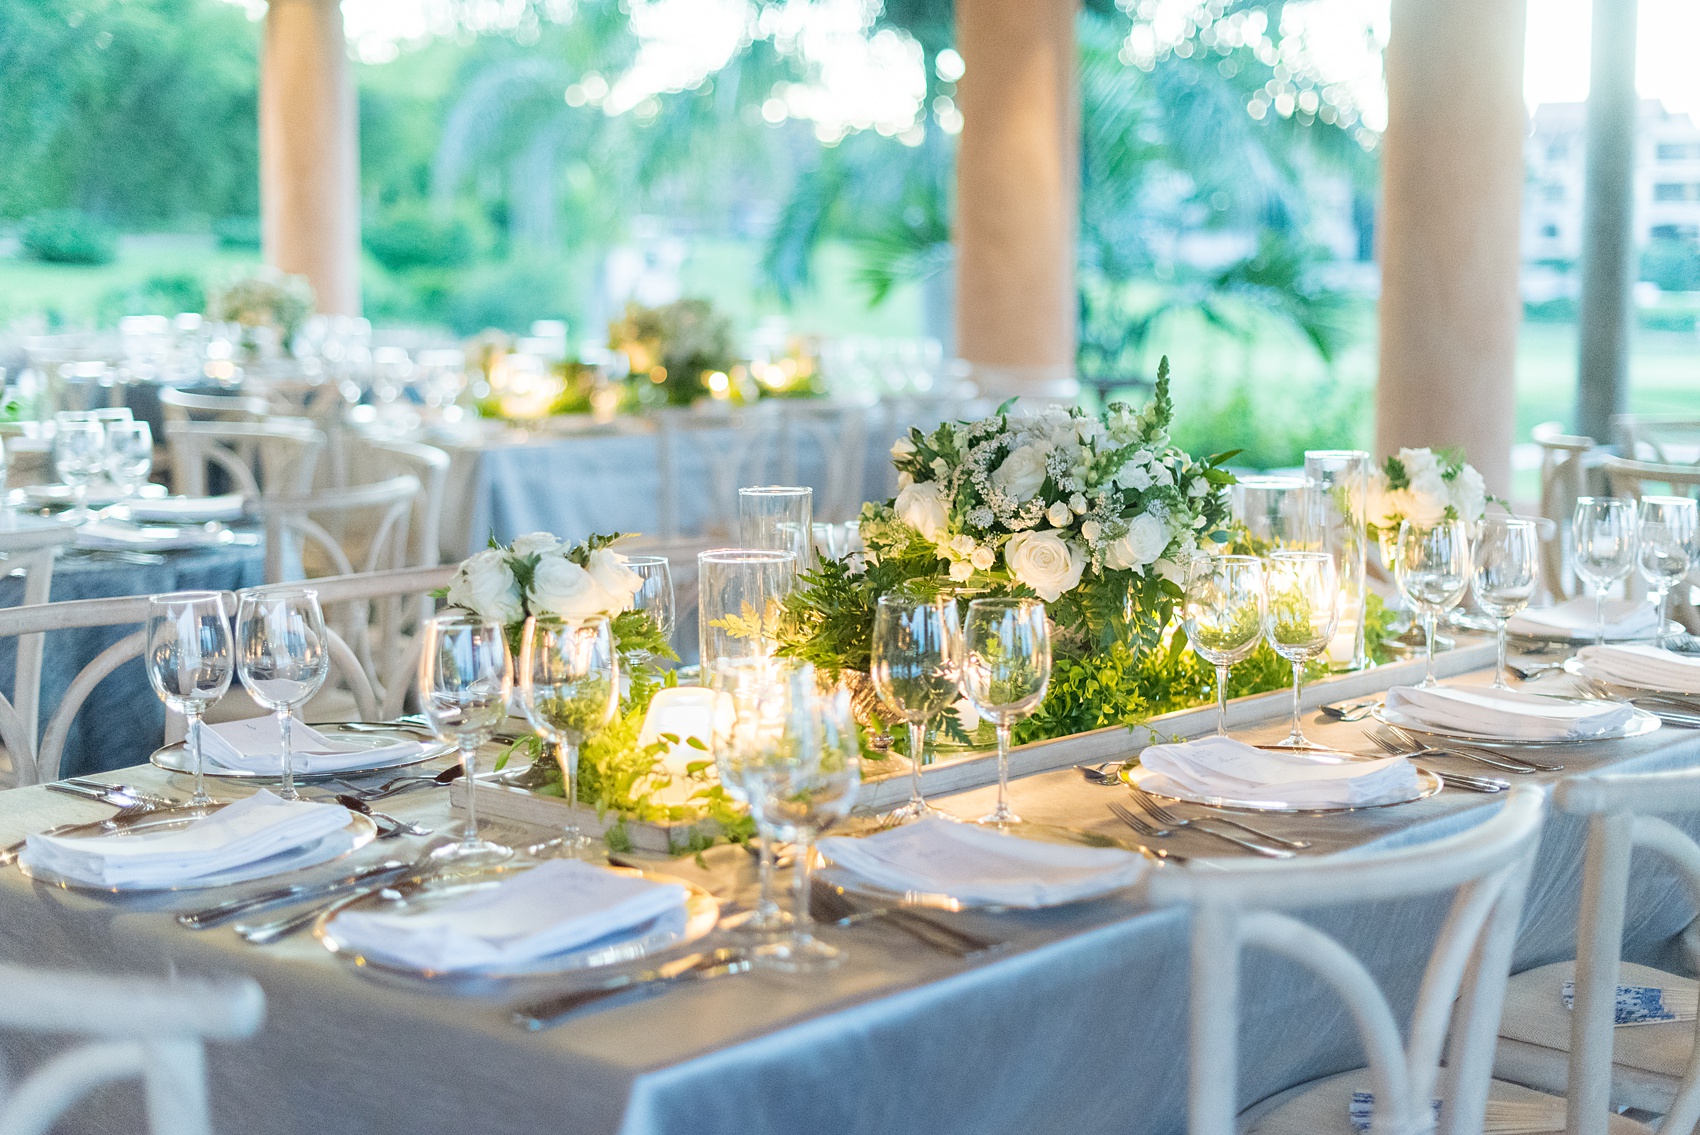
point(779, 518)
point(1280, 514)
point(738, 596)
point(1341, 479)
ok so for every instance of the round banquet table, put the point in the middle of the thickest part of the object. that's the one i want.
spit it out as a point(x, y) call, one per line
point(122, 721)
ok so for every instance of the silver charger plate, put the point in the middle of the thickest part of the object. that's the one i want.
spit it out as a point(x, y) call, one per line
point(1575, 665)
point(702, 913)
point(1640, 724)
point(175, 758)
point(1428, 783)
point(1586, 638)
point(359, 831)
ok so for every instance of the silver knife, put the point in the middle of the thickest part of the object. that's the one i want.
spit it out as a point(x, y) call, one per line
point(629, 987)
point(297, 892)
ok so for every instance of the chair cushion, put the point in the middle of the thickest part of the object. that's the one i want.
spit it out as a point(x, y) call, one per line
point(1535, 1015)
point(1322, 1108)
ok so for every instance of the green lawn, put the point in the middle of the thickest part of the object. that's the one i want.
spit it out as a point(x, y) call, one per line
point(76, 296)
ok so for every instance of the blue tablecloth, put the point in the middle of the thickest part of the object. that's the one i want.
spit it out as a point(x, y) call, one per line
point(122, 721)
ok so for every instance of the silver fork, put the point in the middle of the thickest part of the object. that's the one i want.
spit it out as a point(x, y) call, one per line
point(1163, 816)
point(119, 819)
point(1393, 740)
point(1138, 824)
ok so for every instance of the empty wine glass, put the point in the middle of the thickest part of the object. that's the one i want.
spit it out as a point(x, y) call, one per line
point(1005, 670)
point(655, 597)
point(800, 778)
point(569, 686)
point(916, 667)
point(1666, 548)
point(1604, 531)
point(464, 681)
point(1506, 573)
point(79, 456)
point(1300, 615)
point(744, 713)
point(1223, 616)
point(1431, 564)
point(779, 518)
point(190, 662)
point(281, 657)
point(129, 455)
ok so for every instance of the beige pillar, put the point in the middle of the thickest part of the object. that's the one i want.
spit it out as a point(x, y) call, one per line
point(1452, 194)
point(310, 152)
point(1017, 195)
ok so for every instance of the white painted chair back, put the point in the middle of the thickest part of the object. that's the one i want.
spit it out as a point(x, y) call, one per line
point(1463, 986)
point(1635, 479)
point(275, 458)
point(726, 451)
point(1564, 477)
point(182, 407)
point(1622, 811)
point(134, 1028)
point(838, 433)
point(339, 531)
point(375, 619)
point(32, 550)
point(1661, 439)
point(376, 460)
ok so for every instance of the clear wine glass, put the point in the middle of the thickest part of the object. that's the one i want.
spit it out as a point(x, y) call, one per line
point(1431, 564)
point(1603, 529)
point(129, 455)
point(465, 678)
point(1005, 670)
point(1223, 616)
point(744, 714)
point(655, 597)
point(1506, 574)
point(281, 657)
point(916, 668)
point(190, 659)
point(1666, 548)
point(800, 779)
point(569, 687)
point(79, 456)
point(1301, 613)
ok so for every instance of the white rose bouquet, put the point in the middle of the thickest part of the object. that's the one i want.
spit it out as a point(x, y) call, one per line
point(1424, 486)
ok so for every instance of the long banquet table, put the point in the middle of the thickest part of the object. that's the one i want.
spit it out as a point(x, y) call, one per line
point(1078, 1025)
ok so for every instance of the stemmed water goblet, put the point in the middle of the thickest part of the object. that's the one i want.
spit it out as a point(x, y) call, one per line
point(1604, 531)
point(465, 677)
point(916, 668)
point(129, 455)
point(281, 657)
point(1506, 574)
point(569, 687)
point(189, 653)
point(1666, 548)
point(743, 713)
point(1223, 616)
point(655, 597)
point(79, 455)
point(1301, 612)
point(1006, 669)
point(1431, 564)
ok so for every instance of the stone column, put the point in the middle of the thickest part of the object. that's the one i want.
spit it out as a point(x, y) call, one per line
point(1017, 195)
point(1452, 196)
point(310, 152)
point(1608, 223)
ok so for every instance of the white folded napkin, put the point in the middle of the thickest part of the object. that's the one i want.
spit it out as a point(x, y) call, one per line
point(255, 745)
point(556, 906)
point(242, 833)
point(976, 864)
point(1226, 769)
point(188, 510)
point(1575, 620)
point(1644, 667)
point(123, 536)
point(1509, 715)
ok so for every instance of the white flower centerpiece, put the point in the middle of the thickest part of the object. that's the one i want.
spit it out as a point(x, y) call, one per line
point(1424, 487)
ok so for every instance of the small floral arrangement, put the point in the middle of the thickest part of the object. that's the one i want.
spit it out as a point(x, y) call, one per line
point(1424, 486)
point(679, 353)
point(263, 298)
point(538, 574)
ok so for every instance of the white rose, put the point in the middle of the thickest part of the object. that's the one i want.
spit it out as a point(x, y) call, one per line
point(485, 585)
point(1172, 571)
point(535, 543)
point(961, 570)
point(901, 448)
point(1022, 472)
point(1468, 494)
point(608, 568)
point(561, 587)
point(924, 508)
point(983, 559)
point(1198, 487)
point(1161, 474)
point(1390, 506)
point(1045, 562)
point(904, 480)
point(1092, 530)
point(1145, 540)
point(1424, 472)
point(1133, 476)
point(1077, 502)
point(1059, 515)
point(962, 545)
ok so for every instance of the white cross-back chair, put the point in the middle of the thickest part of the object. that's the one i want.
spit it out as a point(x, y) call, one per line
point(339, 531)
point(134, 1028)
point(1651, 1066)
point(838, 433)
point(1663, 439)
point(182, 407)
point(376, 460)
point(376, 616)
point(728, 451)
point(1564, 477)
point(31, 550)
point(1244, 906)
point(261, 458)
